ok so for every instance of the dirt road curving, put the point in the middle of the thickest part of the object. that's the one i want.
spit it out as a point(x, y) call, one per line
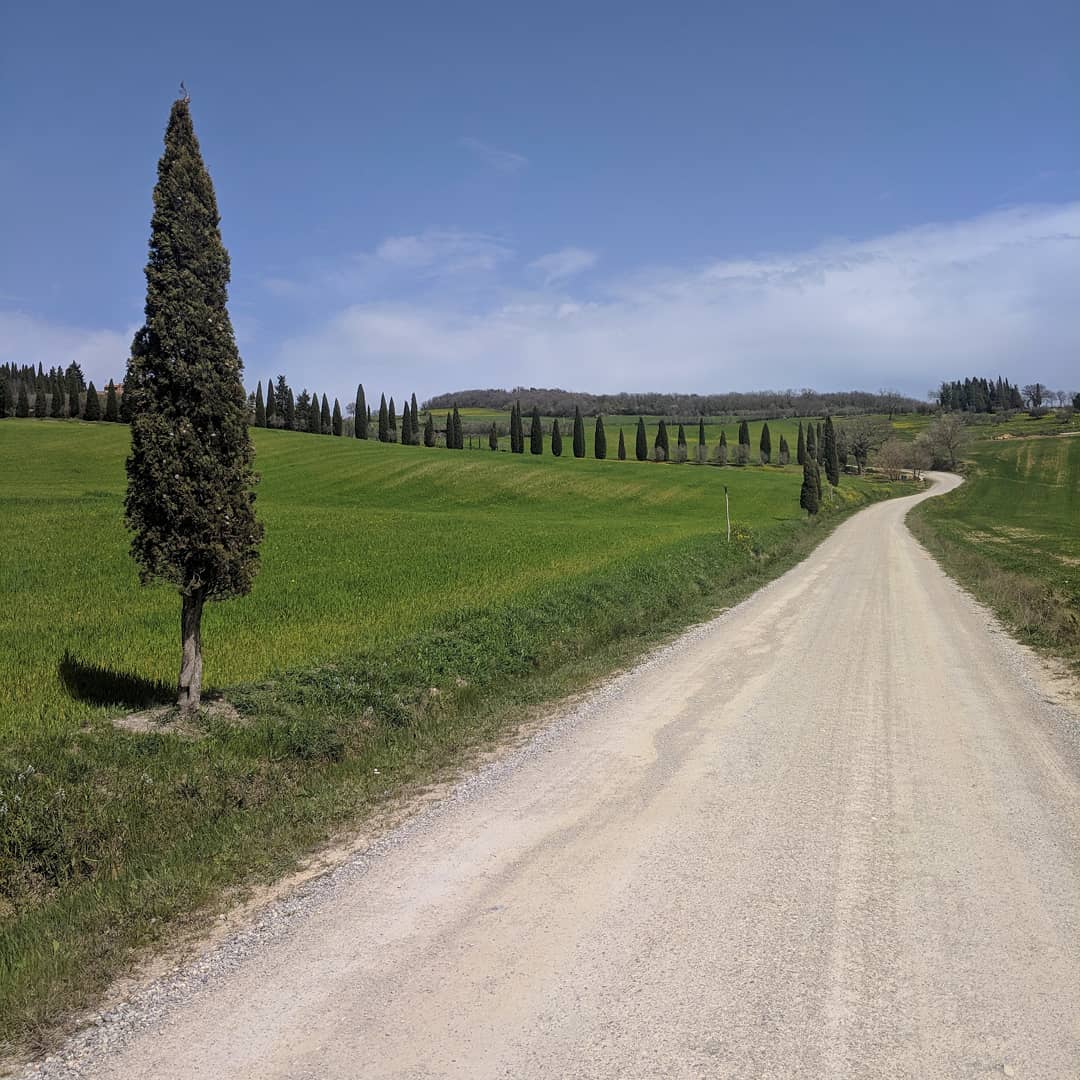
point(833, 833)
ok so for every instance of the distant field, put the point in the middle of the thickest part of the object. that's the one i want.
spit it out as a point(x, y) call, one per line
point(1012, 534)
point(410, 600)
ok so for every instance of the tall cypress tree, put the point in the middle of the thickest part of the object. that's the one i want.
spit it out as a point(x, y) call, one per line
point(429, 431)
point(517, 431)
point(384, 421)
point(260, 409)
point(325, 421)
point(800, 448)
point(41, 406)
point(451, 440)
point(810, 493)
point(459, 434)
point(360, 417)
point(744, 434)
point(190, 500)
point(391, 412)
point(335, 420)
point(288, 413)
point(112, 412)
point(406, 428)
point(661, 442)
point(579, 433)
point(765, 446)
point(556, 438)
point(820, 444)
point(641, 449)
point(785, 451)
point(271, 404)
point(536, 433)
point(314, 417)
point(414, 425)
point(811, 449)
point(681, 441)
point(622, 445)
point(599, 440)
point(721, 449)
point(92, 410)
point(493, 437)
point(832, 457)
point(701, 431)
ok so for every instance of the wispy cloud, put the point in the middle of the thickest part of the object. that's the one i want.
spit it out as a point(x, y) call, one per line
point(989, 294)
point(444, 251)
point(559, 265)
point(504, 161)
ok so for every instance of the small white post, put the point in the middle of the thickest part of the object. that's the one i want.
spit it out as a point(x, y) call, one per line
point(727, 508)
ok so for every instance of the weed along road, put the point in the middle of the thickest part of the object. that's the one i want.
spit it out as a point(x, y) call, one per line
point(833, 833)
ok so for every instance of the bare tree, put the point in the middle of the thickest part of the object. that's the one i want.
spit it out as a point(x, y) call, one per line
point(891, 400)
point(946, 438)
point(1034, 393)
point(864, 435)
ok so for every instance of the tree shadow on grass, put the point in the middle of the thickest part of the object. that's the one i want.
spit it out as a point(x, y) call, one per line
point(100, 685)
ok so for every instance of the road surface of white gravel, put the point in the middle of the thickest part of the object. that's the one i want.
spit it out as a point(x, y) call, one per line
point(833, 833)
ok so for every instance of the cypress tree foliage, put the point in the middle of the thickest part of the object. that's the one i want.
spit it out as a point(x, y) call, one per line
point(260, 408)
point(810, 492)
point(785, 451)
point(271, 403)
point(800, 449)
point(314, 420)
point(517, 432)
point(288, 413)
point(536, 433)
point(127, 409)
point(41, 406)
point(190, 503)
point(325, 420)
point(681, 442)
point(392, 414)
point(744, 434)
point(406, 428)
point(701, 431)
point(335, 420)
point(112, 412)
point(556, 438)
point(622, 445)
point(722, 449)
point(56, 401)
point(661, 442)
point(811, 448)
point(429, 431)
point(360, 416)
point(73, 402)
point(414, 425)
point(832, 457)
point(384, 421)
point(449, 432)
point(820, 444)
point(92, 410)
point(599, 440)
point(459, 434)
point(579, 434)
point(493, 437)
point(765, 446)
point(22, 403)
point(641, 449)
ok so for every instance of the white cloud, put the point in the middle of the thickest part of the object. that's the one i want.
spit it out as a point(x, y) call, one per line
point(102, 354)
point(504, 161)
point(443, 251)
point(992, 294)
point(560, 265)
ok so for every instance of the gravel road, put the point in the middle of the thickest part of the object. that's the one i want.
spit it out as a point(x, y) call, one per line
point(834, 832)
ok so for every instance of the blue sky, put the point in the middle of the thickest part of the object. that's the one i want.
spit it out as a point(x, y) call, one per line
point(599, 196)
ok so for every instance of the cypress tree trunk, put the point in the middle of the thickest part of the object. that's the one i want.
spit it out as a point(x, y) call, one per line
point(189, 688)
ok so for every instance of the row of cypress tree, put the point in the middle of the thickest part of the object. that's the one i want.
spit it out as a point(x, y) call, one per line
point(817, 448)
point(59, 401)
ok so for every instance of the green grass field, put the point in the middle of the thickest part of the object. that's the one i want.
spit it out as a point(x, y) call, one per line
point(1011, 534)
point(497, 580)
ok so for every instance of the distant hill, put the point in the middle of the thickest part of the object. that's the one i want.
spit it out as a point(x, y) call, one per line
point(753, 405)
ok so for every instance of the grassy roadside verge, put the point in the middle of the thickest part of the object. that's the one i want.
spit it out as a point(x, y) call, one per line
point(238, 803)
point(1010, 535)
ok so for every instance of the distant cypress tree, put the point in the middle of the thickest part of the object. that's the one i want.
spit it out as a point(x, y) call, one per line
point(536, 433)
point(414, 425)
point(681, 441)
point(809, 493)
point(112, 412)
point(800, 448)
point(785, 451)
point(765, 446)
point(406, 427)
point(820, 444)
point(314, 421)
point(391, 412)
point(325, 421)
point(722, 449)
point(41, 406)
point(811, 449)
point(22, 403)
point(73, 401)
point(92, 411)
point(661, 442)
point(288, 412)
point(556, 438)
point(744, 434)
point(450, 437)
point(701, 431)
point(271, 404)
point(459, 434)
point(599, 440)
point(517, 432)
point(56, 401)
point(641, 449)
point(260, 408)
point(429, 431)
point(832, 457)
point(622, 445)
point(335, 420)
point(360, 417)
point(384, 421)
point(579, 434)
point(493, 437)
